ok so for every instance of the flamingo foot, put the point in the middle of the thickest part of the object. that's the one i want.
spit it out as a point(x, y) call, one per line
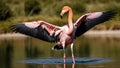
point(73, 58)
point(64, 58)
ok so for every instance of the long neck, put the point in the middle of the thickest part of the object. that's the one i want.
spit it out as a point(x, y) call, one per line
point(70, 22)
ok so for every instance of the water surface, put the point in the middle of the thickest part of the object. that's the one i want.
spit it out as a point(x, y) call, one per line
point(90, 52)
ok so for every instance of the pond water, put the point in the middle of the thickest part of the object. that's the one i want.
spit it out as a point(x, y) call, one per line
point(90, 52)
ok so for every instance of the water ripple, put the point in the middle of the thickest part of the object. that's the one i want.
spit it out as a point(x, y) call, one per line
point(68, 61)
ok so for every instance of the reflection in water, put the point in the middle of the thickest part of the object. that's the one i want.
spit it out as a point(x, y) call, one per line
point(73, 66)
point(84, 50)
point(9, 54)
point(30, 49)
point(6, 54)
point(52, 66)
point(12, 50)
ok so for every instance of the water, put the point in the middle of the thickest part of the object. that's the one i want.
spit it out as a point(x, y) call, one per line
point(90, 52)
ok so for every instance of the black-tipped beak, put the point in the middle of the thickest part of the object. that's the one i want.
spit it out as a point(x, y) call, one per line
point(61, 16)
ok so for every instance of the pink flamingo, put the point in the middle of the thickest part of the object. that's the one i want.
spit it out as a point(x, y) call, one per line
point(65, 35)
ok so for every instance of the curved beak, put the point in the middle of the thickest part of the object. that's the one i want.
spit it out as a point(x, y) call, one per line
point(62, 13)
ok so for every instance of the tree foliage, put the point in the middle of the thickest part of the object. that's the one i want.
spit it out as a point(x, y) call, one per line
point(5, 11)
point(32, 7)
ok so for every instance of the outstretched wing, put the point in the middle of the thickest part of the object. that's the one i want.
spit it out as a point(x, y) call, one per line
point(38, 29)
point(89, 20)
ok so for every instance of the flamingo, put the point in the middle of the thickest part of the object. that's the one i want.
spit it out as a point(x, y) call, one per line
point(63, 35)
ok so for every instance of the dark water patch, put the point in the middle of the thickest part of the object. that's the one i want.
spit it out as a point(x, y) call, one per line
point(68, 61)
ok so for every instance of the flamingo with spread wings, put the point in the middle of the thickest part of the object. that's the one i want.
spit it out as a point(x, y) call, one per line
point(65, 35)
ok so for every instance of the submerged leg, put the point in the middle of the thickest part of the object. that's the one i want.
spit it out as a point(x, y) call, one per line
point(73, 59)
point(64, 55)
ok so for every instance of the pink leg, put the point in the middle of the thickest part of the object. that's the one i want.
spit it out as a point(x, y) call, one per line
point(64, 65)
point(73, 58)
point(64, 57)
point(73, 65)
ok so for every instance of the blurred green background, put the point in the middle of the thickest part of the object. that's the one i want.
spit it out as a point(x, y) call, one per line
point(18, 11)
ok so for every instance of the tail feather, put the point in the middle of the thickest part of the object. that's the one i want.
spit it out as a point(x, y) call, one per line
point(57, 47)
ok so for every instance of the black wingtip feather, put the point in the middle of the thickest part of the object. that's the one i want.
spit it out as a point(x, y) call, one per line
point(111, 14)
point(13, 28)
point(107, 15)
point(37, 32)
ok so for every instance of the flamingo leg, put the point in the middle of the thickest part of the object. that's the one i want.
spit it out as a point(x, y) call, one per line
point(73, 58)
point(64, 55)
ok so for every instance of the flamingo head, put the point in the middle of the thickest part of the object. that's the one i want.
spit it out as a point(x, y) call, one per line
point(65, 9)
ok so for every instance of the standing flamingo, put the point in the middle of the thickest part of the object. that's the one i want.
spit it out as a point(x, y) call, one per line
point(65, 35)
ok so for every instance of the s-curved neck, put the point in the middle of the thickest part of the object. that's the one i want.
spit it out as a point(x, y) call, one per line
point(70, 22)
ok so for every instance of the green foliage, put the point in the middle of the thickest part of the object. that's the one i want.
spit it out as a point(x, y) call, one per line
point(49, 10)
point(57, 8)
point(98, 1)
point(78, 7)
point(32, 7)
point(117, 1)
point(114, 6)
point(5, 11)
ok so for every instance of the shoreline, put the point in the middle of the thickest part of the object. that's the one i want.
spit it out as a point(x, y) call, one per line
point(12, 36)
point(108, 33)
point(91, 33)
